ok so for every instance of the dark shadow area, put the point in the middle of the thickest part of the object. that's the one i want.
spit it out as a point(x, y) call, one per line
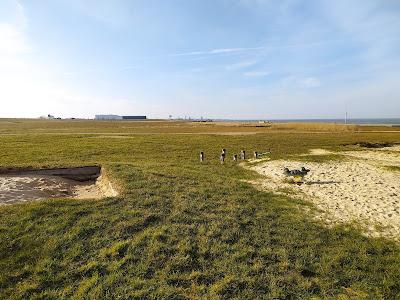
point(84, 173)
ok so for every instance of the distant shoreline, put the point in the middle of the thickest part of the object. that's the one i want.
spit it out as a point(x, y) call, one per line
point(355, 121)
point(358, 121)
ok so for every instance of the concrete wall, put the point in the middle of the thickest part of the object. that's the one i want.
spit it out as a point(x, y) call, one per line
point(108, 117)
point(134, 117)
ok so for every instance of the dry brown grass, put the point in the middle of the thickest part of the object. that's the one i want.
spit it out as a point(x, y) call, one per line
point(300, 127)
point(315, 127)
point(19, 126)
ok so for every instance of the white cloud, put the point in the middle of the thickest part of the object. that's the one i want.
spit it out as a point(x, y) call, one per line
point(29, 89)
point(217, 51)
point(257, 74)
point(241, 65)
point(230, 50)
point(12, 40)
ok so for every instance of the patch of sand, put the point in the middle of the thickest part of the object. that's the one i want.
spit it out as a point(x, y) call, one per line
point(105, 186)
point(376, 157)
point(379, 156)
point(320, 152)
point(346, 191)
point(395, 148)
point(31, 187)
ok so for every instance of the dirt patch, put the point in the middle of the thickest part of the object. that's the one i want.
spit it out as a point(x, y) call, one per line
point(21, 185)
point(371, 145)
point(357, 189)
point(394, 148)
point(374, 145)
point(85, 173)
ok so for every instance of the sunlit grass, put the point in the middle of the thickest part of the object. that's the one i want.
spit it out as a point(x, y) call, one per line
point(180, 229)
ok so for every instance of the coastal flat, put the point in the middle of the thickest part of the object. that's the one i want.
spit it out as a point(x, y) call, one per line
point(184, 229)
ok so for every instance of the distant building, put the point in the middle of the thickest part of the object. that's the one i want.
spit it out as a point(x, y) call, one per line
point(134, 117)
point(116, 117)
point(108, 117)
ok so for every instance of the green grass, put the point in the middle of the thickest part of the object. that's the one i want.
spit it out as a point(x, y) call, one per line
point(181, 229)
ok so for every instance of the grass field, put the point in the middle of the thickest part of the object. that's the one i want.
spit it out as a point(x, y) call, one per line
point(181, 229)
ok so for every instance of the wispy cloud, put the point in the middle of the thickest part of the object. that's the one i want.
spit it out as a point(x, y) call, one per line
point(310, 82)
point(257, 74)
point(239, 50)
point(275, 52)
point(218, 51)
point(230, 50)
point(241, 65)
point(301, 82)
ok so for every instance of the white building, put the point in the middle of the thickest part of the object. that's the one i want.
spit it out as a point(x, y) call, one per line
point(108, 117)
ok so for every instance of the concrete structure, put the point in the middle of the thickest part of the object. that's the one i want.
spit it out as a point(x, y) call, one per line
point(108, 117)
point(116, 117)
point(134, 117)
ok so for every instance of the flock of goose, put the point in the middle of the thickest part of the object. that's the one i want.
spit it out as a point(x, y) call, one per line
point(297, 174)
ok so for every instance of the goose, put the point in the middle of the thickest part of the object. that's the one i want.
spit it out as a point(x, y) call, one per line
point(296, 173)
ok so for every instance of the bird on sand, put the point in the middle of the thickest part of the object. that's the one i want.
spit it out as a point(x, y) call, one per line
point(296, 173)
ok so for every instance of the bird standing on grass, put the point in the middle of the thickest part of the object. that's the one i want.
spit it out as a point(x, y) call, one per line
point(243, 154)
point(222, 157)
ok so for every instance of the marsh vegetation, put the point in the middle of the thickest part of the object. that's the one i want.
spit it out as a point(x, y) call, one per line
point(180, 229)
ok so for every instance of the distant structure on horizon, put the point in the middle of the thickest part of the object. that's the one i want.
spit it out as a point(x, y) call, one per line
point(134, 117)
point(49, 117)
point(116, 117)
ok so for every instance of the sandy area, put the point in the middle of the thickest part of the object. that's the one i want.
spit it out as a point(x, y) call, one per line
point(358, 188)
point(379, 157)
point(395, 148)
point(319, 152)
point(22, 188)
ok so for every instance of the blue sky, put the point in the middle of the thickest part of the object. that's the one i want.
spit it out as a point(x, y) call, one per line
point(258, 59)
